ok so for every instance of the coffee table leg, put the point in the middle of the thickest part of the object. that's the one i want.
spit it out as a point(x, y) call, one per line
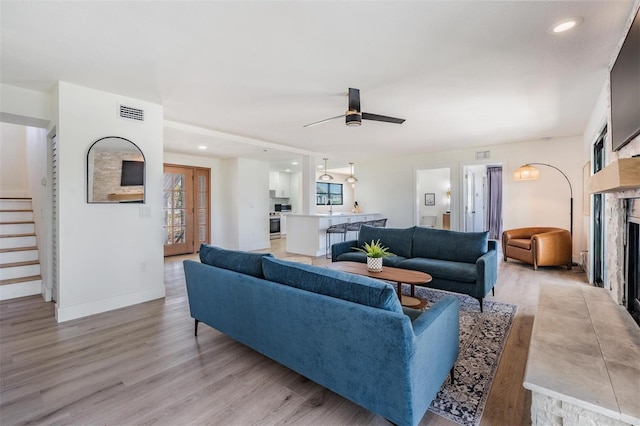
point(400, 292)
point(413, 289)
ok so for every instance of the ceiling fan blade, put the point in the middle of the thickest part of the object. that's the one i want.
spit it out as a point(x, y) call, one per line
point(354, 99)
point(323, 121)
point(376, 117)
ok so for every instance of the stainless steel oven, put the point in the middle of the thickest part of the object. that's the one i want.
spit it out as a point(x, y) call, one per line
point(274, 227)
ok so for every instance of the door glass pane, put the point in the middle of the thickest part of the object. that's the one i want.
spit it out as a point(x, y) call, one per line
point(201, 233)
point(167, 218)
point(178, 182)
point(167, 199)
point(202, 199)
point(178, 235)
point(178, 217)
point(167, 236)
point(178, 199)
point(167, 178)
point(201, 217)
point(202, 183)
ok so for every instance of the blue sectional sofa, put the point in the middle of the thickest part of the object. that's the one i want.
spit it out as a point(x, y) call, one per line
point(345, 332)
point(462, 262)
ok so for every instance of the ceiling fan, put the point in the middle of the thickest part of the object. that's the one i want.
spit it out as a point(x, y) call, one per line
point(354, 117)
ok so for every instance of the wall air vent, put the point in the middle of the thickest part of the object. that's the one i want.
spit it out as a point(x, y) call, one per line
point(482, 155)
point(131, 113)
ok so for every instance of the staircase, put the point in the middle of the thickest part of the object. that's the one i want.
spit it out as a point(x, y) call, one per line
point(19, 265)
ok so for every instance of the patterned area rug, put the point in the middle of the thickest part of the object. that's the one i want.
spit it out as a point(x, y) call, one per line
point(482, 340)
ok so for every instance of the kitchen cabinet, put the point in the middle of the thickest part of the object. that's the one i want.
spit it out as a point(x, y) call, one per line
point(279, 182)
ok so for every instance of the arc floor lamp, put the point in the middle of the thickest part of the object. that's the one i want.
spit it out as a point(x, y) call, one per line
point(528, 172)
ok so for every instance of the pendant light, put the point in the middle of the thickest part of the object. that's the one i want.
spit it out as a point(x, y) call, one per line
point(325, 177)
point(351, 178)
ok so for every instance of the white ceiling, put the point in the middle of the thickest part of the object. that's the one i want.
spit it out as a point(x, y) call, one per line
point(242, 78)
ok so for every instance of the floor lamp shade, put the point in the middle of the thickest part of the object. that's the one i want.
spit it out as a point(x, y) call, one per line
point(526, 172)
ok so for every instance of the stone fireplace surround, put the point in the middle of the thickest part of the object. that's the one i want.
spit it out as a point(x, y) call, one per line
point(583, 364)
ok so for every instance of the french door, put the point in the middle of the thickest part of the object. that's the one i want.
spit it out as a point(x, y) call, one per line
point(186, 209)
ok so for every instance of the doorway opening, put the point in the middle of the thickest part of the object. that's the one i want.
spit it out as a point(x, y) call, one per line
point(433, 201)
point(482, 199)
point(186, 219)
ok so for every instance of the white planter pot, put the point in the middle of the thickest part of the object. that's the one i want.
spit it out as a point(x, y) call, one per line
point(374, 264)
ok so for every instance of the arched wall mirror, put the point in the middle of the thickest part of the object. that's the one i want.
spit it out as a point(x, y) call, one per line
point(115, 171)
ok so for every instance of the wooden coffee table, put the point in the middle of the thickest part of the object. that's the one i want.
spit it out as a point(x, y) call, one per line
point(396, 275)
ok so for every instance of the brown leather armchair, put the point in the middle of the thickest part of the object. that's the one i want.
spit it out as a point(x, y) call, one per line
point(538, 246)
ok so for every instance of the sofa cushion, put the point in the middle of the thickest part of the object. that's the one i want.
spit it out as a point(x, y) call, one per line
point(449, 245)
point(396, 239)
point(356, 256)
point(341, 285)
point(520, 242)
point(443, 269)
point(238, 261)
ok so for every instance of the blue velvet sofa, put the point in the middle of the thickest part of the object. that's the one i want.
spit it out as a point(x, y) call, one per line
point(462, 262)
point(345, 332)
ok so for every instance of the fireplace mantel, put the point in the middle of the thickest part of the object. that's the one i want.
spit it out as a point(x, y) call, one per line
point(620, 175)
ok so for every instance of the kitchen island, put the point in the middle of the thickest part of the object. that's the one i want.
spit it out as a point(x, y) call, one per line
point(306, 234)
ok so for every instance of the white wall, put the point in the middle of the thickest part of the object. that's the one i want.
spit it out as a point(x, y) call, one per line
point(387, 185)
point(109, 256)
point(25, 107)
point(14, 179)
point(252, 204)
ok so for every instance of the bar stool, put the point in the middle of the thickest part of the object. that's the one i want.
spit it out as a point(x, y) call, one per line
point(380, 223)
point(340, 228)
point(354, 227)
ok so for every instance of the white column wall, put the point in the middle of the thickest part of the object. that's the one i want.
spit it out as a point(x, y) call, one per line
point(109, 255)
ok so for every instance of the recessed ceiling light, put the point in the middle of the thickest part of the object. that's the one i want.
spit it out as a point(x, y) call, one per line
point(202, 147)
point(287, 170)
point(295, 163)
point(565, 25)
point(320, 166)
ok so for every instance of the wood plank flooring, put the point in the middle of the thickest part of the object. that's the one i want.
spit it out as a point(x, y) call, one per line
point(142, 365)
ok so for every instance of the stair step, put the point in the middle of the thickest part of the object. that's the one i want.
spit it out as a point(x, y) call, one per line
point(14, 264)
point(19, 240)
point(15, 204)
point(20, 280)
point(27, 286)
point(7, 250)
point(18, 270)
point(16, 216)
point(7, 228)
point(18, 255)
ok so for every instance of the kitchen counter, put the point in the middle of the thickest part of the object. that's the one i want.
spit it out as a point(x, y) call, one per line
point(306, 234)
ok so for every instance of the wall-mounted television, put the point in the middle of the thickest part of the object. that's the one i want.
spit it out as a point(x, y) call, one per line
point(132, 173)
point(625, 89)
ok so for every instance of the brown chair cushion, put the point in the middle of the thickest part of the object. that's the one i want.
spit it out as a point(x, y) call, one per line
point(521, 243)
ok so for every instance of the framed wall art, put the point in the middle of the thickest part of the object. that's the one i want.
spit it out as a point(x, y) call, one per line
point(429, 199)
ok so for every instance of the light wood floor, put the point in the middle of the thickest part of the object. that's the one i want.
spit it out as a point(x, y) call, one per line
point(142, 365)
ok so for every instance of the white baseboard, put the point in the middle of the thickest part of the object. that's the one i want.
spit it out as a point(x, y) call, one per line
point(68, 313)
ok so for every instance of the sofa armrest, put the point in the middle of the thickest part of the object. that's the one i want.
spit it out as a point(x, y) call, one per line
point(447, 303)
point(340, 248)
point(435, 350)
point(487, 266)
point(553, 247)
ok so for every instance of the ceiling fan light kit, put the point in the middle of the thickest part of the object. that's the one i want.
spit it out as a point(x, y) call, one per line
point(354, 116)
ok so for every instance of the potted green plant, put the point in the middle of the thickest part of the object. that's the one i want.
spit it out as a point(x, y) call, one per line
point(375, 252)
